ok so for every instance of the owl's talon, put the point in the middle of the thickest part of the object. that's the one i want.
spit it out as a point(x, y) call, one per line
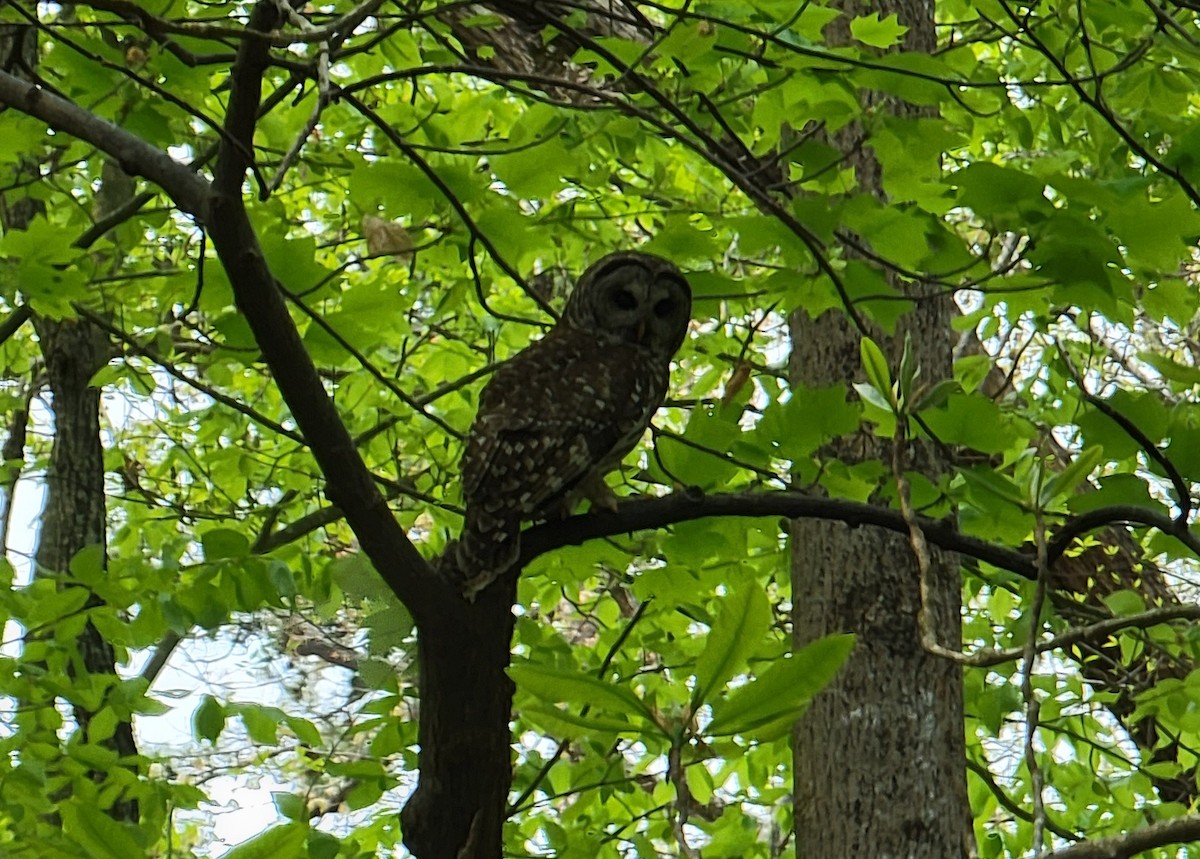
point(598, 493)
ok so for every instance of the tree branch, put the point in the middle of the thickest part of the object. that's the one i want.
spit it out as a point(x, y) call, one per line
point(1009, 804)
point(134, 155)
point(1183, 493)
point(1116, 514)
point(13, 323)
point(259, 298)
point(658, 512)
point(156, 26)
point(1098, 631)
point(1158, 834)
point(646, 513)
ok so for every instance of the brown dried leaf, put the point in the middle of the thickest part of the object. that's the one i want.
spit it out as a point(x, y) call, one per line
point(386, 237)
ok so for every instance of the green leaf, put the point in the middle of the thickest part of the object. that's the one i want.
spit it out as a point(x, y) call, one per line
point(209, 719)
point(224, 543)
point(711, 432)
point(993, 483)
point(567, 722)
point(87, 565)
point(1002, 194)
point(876, 368)
point(355, 575)
point(57, 606)
point(994, 703)
point(97, 833)
point(102, 725)
point(878, 32)
point(809, 21)
point(936, 396)
point(281, 842)
point(874, 396)
point(811, 418)
point(281, 578)
point(1155, 233)
point(744, 619)
point(305, 731)
point(290, 805)
point(908, 372)
point(782, 692)
point(262, 723)
point(557, 686)
point(1171, 369)
point(1124, 603)
point(1065, 482)
point(322, 845)
point(973, 421)
point(1145, 410)
point(1116, 489)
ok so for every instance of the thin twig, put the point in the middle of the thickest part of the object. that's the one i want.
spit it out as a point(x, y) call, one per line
point(683, 799)
point(920, 546)
point(366, 364)
point(1032, 703)
point(518, 804)
point(1182, 490)
point(1009, 804)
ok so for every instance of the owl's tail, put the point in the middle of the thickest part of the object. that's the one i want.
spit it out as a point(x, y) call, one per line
point(488, 547)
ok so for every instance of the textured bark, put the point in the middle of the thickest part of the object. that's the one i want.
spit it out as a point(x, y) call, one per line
point(459, 807)
point(879, 757)
point(518, 44)
point(18, 57)
point(74, 516)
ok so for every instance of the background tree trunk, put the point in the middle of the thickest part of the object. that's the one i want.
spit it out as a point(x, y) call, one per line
point(74, 516)
point(879, 757)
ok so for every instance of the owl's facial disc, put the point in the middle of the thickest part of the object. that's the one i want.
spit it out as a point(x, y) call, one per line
point(632, 298)
point(624, 298)
point(623, 306)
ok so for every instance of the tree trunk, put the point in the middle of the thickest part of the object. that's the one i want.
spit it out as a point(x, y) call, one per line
point(459, 807)
point(879, 758)
point(74, 516)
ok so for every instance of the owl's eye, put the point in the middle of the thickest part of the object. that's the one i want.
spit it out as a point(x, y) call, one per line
point(624, 299)
point(664, 307)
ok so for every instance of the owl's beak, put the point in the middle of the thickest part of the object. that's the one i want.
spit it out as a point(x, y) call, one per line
point(640, 331)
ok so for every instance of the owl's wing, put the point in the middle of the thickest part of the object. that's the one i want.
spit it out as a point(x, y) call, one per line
point(549, 416)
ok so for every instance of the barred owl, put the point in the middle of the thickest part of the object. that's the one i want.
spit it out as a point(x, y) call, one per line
point(563, 412)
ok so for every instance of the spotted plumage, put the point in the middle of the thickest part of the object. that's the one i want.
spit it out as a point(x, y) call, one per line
point(563, 412)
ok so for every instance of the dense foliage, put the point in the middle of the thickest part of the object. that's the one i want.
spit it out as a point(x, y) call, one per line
point(426, 180)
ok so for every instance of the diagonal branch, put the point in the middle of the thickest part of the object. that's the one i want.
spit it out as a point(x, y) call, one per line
point(1183, 493)
point(12, 324)
point(134, 155)
point(259, 298)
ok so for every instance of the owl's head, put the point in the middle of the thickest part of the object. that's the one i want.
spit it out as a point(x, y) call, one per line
point(632, 297)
